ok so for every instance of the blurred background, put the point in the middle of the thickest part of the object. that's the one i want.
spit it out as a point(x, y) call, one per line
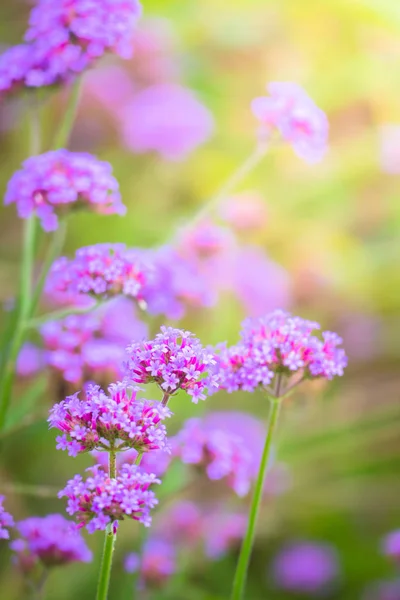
point(320, 240)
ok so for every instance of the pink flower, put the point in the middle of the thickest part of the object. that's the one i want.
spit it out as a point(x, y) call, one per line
point(246, 211)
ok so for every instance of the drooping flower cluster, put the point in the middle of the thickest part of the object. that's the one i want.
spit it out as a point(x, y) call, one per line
point(66, 37)
point(228, 445)
point(117, 421)
point(290, 111)
point(278, 343)
point(305, 567)
point(101, 500)
point(91, 346)
point(155, 565)
point(174, 360)
point(50, 184)
point(101, 270)
point(52, 540)
point(6, 520)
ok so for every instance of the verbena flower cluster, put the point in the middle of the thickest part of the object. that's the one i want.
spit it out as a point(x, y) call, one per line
point(117, 421)
point(155, 565)
point(101, 500)
point(222, 531)
point(102, 270)
point(290, 111)
point(65, 37)
point(174, 360)
point(278, 343)
point(52, 539)
point(6, 521)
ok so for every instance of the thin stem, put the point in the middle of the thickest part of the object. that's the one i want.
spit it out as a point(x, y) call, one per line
point(25, 489)
point(109, 543)
point(60, 314)
point(239, 581)
point(138, 459)
point(165, 399)
point(62, 136)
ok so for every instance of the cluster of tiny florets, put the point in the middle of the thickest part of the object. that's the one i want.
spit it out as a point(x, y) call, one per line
point(101, 500)
point(66, 37)
point(290, 111)
point(114, 421)
point(52, 539)
point(50, 184)
point(174, 360)
point(6, 520)
point(101, 270)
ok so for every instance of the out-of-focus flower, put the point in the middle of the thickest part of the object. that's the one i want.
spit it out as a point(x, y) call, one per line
point(278, 343)
point(222, 531)
point(31, 360)
point(110, 85)
point(167, 119)
point(246, 211)
point(228, 444)
point(181, 524)
point(156, 461)
point(101, 500)
point(52, 539)
point(156, 565)
point(305, 567)
point(92, 347)
point(66, 37)
point(119, 420)
point(174, 360)
point(299, 121)
point(383, 590)
point(102, 270)
point(6, 520)
point(390, 149)
point(53, 183)
point(204, 240)
point(391, 545)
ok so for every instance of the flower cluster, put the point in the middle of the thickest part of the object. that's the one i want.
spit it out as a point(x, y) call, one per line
point(102, 270)
point(278, 343)
point(391, 545)
point(66, 37)
point(222, 531)
point(90, 346)
point(49, 184)
point(290, 111)
point(109, 422)
point(31, 360)
point(174, 360)
point(181, 524)
point(229, 445)
point(156, 564)
point(53, 540)
point(6, 520)
point(101, 500)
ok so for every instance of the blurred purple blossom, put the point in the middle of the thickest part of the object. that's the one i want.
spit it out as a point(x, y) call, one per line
point(182, 523)
point(245, 211)
point(222, 531)
point(156, 564)
point(290, 111)
point(53, 183)
point(391, 545)
point(166, 118)
point(51, 539)
point(100, 500)
point(6, 520)
point(31, 360)
point(305, 567)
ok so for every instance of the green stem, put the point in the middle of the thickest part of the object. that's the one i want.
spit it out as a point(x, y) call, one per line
point(63, 133)
point(239, 581)
point(109, 543)
point(60, 314)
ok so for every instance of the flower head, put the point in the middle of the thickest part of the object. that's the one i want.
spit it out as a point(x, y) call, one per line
point(101, 500)
point(118, 420)
point(222, 531)
point(52, 539)
point(50, 184)
point(299, 121)
point(30, 361)
point(182, 523)
point(173, 360)
point(391, 545)
point(305, 567)
point(156, 565)
point(6, 520)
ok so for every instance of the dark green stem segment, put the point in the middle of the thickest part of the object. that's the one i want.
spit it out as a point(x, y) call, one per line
point(239, 581)
point(109, 543)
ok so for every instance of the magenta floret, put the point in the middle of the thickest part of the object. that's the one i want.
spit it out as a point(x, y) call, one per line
point(6, 521)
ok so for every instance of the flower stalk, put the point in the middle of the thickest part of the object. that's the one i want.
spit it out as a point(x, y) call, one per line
point(109, 543)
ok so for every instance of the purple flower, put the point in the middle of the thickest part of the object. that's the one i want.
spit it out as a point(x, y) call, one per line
point(174, 360)
point(30, 361)
point(15, 63)
point(119, 420)
point(222, 531)
point(167, 119)
point(100, 500)
point(52, 539)
point(305, 567)
point(52, 183)
point(156, 564)
point(6, 520)
point(182, 523)
point(299, 121)
point(278, 343)
point(391, 545)
point(102, 270)
point(228, 444)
